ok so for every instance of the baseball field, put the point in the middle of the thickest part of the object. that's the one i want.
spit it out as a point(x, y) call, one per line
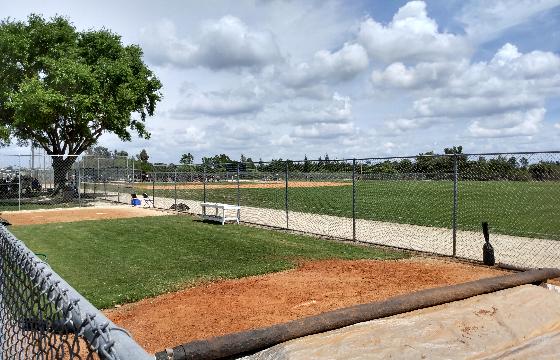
point(166, 277)
point(527, 209)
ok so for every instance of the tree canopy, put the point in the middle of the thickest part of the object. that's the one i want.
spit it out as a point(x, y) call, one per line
point(186, 159)
point(61, 88)
point(143, 156)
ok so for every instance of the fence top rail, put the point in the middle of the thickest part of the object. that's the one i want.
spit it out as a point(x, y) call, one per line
point(343, 160)
point(467, 154)
point(349, 161)
point(39, 155)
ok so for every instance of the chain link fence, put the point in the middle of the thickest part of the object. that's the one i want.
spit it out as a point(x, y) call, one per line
point(42, 317)
point(38, 181)
point(431, 203)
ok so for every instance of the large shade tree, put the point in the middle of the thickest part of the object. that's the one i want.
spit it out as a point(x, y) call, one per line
point(61, 89)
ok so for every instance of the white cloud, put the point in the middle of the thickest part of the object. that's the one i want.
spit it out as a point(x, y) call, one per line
point(388, 147)
point(510, 81)
point(410, 36)
point(502, 97)
point(192, 135)
point(402, 125)
point(218, 103)
point(338, 110)
point(222, 44)
point(341, 65)
point(536, 64)
point(319, 91)
point(473, 105)
point(323, 130)
point(485, 20)
point(422, 75)
point(522, 123)
point(284, 140)
point(245, 131)
point(557, 125)
point(478, 79)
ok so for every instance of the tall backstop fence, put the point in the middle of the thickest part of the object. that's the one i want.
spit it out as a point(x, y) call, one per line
point(39, 181)
point(431, 203)
point(42, 317)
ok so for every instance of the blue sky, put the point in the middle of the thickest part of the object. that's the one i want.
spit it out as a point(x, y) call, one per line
point(284, 79)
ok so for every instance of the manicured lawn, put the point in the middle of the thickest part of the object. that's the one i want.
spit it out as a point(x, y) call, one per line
point(124, 260)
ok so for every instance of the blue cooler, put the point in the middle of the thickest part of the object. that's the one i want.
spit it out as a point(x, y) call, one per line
point(135, 202)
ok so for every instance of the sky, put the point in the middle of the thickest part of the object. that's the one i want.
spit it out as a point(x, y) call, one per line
point(287, 79)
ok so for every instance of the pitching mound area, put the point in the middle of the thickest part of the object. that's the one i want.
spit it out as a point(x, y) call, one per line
point(29, 217)
point(222, 307)
point(233, 185)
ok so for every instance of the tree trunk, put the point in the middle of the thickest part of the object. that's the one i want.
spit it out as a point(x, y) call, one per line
point(61, 169)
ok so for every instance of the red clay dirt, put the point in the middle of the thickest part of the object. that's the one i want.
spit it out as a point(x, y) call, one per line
point(315, 287)
point(29, 217)
point(233, 185)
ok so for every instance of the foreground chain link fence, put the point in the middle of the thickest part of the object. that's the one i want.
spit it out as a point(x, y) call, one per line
point(430, 203)
point(42, 317)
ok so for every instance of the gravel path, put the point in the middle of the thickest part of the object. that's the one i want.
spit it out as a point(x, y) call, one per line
point(512, 250)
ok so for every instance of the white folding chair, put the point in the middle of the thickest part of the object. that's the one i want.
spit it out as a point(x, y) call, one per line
point(147, 201)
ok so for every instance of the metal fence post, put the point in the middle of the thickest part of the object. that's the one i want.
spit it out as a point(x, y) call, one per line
point(19, 182)
point(44, 171)
point(84, 174)
point(238, 194)
point(354, 199)
point(204, 184)
point(118, 186)
point(105, 186)
point(96, 180)
point(455, 199)
point(127, 174)
point(286, 195)
point(133, 176)
point(175, 181)
point(154, 189)
point(79, 182)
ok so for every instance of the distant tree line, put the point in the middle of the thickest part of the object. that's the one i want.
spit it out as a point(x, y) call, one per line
point(429, 165)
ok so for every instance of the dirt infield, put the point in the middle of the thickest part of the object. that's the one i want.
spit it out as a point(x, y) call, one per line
point(263, 185)
point(314, 287)
point(29, 217)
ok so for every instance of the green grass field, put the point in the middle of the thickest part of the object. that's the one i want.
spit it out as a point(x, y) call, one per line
point(530, 209)
point(123, 260)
